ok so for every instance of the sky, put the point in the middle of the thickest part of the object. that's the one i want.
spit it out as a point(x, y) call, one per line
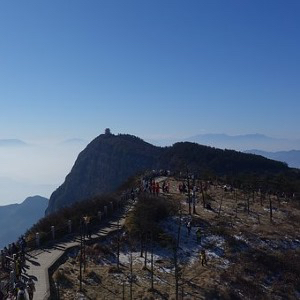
point(155, 69)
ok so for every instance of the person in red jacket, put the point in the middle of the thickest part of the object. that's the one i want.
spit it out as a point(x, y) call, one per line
point(157, 189)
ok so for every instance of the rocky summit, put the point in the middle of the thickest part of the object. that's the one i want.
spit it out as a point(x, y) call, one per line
point(103, 166)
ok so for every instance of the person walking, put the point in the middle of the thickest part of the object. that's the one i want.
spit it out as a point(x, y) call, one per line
point(87, 221)
point(157, 189)
point(203, 258)
point(153, 188)
point(22, 294)
point(18, 268)
point(23, 245)
point(189, 227)
point(30, 288)
point(10, 296)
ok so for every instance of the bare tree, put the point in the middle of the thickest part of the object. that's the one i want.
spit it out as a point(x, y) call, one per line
point(177, 273)
point(202, 192)
point(262, 197)
point(152, 263)
point(194, 196)
point(123, 290)
point(221, 202)
point(271, 208)
point(248, 204)
point(84, 255)
point(80, 258)
point(236, 203)
point(189, 191)
point(179, 227)
point(278, 199)
point(176, 264)
point(146, 251)
point(141, 244)
point(118, 246)
point(131, 275)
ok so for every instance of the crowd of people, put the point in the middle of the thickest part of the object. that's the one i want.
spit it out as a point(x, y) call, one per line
point(13, 261)
point(149, 185)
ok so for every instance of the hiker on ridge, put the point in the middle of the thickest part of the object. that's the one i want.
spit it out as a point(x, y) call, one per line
point(189, 227)
point(87, 231)
point(22, 294)
point(203, 258)
point(30, 288)
point(157, 189)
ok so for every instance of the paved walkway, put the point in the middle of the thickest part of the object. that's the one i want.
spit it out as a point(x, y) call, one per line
point(39, 261)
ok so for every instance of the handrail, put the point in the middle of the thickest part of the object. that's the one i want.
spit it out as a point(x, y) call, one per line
point(56, 233)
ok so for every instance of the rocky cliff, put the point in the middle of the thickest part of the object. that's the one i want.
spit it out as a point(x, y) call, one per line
point(103, 166)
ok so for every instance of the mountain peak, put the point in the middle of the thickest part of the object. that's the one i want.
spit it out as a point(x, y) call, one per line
point(34, 199)
point(102, 166)
point(16, 218)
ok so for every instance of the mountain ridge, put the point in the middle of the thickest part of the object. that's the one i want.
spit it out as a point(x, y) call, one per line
point(109, 160)
point(292, 157)
point(241, 142)
point(246, 141)
point(16, 218)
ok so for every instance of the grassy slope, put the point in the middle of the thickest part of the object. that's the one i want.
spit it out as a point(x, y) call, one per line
point(248, 256)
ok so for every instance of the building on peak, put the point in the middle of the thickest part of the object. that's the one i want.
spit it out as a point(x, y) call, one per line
point(107, 131)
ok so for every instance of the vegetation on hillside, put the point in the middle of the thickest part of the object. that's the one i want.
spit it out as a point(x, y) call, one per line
point(249, 255)
point(75, 213)
point(146, 215)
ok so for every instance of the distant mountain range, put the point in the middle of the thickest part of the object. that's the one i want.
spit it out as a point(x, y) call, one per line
point(292, 158)
point(237, 142)
point(109, 160)
point(12, 143)
point(12, 191)
point(245, 142)
point(15, 219)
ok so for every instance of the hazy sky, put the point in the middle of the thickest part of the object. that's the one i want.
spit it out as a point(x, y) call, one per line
point(151, 68)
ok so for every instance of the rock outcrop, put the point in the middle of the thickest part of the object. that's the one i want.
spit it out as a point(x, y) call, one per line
point(103, 166)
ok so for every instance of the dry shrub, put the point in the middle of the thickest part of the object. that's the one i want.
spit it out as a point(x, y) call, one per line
point(166, 240)
point(146, 214)
point(61, 277)
point(114, 269)
point(93, 275)
point(104, 250)
point(279, 270)
point(293, 218)
point(220, 230)
point(234, 245)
